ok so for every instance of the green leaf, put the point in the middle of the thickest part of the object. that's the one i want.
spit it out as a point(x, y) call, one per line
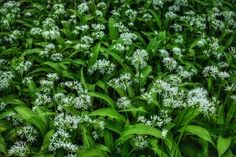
point(32, 118)
point(144, 75)
point(95, 53)
point(88, 141)
point(113, 32)
point(198, 131)
point(108, 139)
point(109, 100)
point(116, 57)
point(46, 140)
point(223, 144)
point(54, 66)
point(138, 129)
point(93, 152)
point(109, 112)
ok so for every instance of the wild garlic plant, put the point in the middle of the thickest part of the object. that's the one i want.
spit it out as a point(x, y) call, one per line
point(117, 78)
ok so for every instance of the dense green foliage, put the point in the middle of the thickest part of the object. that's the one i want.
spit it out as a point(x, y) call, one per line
point(121, 78)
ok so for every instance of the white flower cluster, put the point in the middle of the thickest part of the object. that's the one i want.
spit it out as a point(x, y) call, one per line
point(2, 106)
point(170, 63)
point(28, 132)
point(86, 43)
point(128, 38)
point(123, 103)
point(140, 142)
point(83, 7)
point(13, 37)
point(174, 97)
point(8, 13)
point(198, 97)
point(50, 30)
point(14, 119)
point(98, 31)
point(160, 120)
point(124, 81)
point(58, 10)
point(139, 59)
point(103, 66)
point(214, 72)
point(20, 149)
point(82, 101)
point(5, 79)
point(24, 66)
point(61, 140)
point(67, 121)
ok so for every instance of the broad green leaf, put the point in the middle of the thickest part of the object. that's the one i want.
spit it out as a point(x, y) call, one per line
point(137, 129)
point(108, 139)
point(115, 56)
point(54, 66)
point(95, 53)
point(12, 100)
point(109, 100)
point(46, 140)
point(3, 148)
point(157, 148)
point(93, 152)
point(144, 75)
point(88, 141)
point(186, 116)
point(109, 112)
point(223, 144)
point(32, 118)
point(113, 32)
point(198, 131)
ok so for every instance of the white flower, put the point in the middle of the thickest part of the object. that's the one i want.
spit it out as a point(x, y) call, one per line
point(83, 7)
point(24, 66)
point(140, 142)
point(123, 103)
point(170, 63)
point(128, 38)
point(122, 82)
point(164, 133)
point(139, 59)
point(28, 132)
point(104, 66)
point(20, 149)
point(5, 79)
point(57, 57)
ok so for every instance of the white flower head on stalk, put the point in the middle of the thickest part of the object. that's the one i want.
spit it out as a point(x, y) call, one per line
point(131, 13)
point(140, 142)
point(20, 149)
point(164, 133)
point(24, 66)
point(2, 106)
point(57, 57)
point(103, 66)
point(123, 103)
point(58, 9)
point(128, 38)
point(5, 77)
point(170, 63)
point(122, 82)
point(198, 97)
point(61, 140)
point(83, 7)
point(139, 59)
point(28, 132)
point(67, 121)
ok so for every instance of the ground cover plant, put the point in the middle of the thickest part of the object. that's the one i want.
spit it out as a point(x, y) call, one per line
point(119, 78)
